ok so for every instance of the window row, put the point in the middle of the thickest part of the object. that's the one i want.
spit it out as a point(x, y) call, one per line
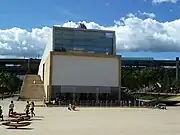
point(84, 46)
point(75, 43)
point(95, 50)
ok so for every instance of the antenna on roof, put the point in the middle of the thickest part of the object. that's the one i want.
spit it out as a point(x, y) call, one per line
point(81, 26)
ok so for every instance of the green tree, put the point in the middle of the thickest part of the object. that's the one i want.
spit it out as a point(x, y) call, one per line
point(136, 79)
point(140, 78)
point(9, 82)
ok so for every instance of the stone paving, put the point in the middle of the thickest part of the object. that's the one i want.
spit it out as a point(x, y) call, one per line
point(97, 121)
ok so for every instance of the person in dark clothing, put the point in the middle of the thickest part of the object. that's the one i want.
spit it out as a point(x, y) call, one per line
point(73, 107)
point(32, 109)
point(70, 107)
point(1, 114)
point(27, 108)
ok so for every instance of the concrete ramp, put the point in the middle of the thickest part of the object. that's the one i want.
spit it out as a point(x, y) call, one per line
point(32, 88)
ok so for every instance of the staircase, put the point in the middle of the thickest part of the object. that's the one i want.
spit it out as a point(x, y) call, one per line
point(32, 88)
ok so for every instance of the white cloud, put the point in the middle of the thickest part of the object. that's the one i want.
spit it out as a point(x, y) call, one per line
point(150, 15)
point(164, 1)
point(19, 42)
point(130, 15)
point(132, 34)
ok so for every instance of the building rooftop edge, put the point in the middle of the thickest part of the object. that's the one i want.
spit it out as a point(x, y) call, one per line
point(85, 54)
point(55, 26)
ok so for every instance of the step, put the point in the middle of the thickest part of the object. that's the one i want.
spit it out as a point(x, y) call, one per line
point(34, 92)
point(33, 88)
point(34, 82)
point(33, 77)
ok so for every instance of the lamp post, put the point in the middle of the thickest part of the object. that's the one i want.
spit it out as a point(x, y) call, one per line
point(28, 66)
point(177, 68)
point(119, 93)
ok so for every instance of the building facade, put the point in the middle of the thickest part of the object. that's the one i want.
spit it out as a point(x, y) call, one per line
point(76, 75)
point(84, 40)
point(80, 64)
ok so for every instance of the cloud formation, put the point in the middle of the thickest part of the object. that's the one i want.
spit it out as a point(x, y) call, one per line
point(164, 1)
point(19, 42)
point(150, 15)
point(132, 34)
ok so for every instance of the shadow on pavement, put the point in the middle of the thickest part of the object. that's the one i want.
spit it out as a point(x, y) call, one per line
point(36, 119)
point(20, 128)
point(76, 110)
point(39, 116)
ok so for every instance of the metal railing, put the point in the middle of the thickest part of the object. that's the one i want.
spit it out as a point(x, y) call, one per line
point(102, 103)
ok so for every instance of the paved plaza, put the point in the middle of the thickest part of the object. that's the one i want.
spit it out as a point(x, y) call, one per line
point(97, 121)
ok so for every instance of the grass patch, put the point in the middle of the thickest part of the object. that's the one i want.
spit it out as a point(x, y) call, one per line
point(152, 97)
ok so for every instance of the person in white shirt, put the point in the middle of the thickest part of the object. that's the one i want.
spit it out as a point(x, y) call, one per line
point(11, 108)
point(54, 102)
point(70, 107)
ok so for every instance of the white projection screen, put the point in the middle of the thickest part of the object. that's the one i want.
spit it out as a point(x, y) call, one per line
point(85, 71)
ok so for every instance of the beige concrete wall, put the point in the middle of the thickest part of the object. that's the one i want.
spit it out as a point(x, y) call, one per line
point(47, 65)
point(85, 70)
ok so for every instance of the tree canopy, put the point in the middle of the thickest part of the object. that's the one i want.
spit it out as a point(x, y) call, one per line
point(9, 82)
point(138, 79)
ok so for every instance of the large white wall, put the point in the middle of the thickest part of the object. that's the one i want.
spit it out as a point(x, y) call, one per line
point(48, 48)
point(85, 71)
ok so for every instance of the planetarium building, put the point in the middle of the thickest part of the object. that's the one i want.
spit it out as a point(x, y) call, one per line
point(80, 63)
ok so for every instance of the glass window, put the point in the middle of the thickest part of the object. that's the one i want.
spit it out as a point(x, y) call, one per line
point(88, 41)
point(86, 47)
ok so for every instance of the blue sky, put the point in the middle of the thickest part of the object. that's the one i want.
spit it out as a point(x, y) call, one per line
point(28, 15)
point(38, 13)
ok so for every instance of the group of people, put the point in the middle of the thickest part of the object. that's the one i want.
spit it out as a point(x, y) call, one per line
point(28, 109)
point(160, 106)
point(71, 107)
